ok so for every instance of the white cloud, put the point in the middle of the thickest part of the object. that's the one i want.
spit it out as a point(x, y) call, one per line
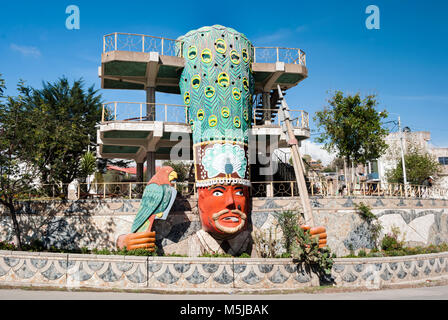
point(316, 152)
point(26, 51)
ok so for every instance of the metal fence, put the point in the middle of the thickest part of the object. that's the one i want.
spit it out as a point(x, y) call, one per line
point(321, 188)
point(278, 54)
point(124, 190)
point(365, 189)
point(119, 41)
point(140, 111)
point(299, 118)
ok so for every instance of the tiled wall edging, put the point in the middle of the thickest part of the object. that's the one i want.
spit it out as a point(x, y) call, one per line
point(378, 272)
point(208, 274)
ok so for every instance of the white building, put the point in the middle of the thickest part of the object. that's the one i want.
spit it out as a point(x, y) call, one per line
point(419, 139)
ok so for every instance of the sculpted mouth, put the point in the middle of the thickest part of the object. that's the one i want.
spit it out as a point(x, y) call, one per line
point(229, 221)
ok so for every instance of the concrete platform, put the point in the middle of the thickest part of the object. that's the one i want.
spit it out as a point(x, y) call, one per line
point(138, 70)
point(132, 140)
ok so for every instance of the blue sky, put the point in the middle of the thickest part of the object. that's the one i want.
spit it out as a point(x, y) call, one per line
point(404, 62)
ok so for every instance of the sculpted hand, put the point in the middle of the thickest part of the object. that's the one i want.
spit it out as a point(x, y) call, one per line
point(140, 240)
point(319, 232)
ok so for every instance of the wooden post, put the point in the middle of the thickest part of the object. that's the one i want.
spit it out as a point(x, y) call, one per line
point(298, 165)
point(116, 40)
point(130, 190)
point(143, 43)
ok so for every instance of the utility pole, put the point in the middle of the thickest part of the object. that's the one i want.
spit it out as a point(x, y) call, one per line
point(402, 157)
point(296, 159)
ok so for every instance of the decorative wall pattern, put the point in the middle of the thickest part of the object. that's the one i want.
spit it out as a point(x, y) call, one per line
point(209, 274)
point(97, 223)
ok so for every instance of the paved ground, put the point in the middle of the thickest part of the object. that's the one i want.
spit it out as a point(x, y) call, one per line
point(421, 293)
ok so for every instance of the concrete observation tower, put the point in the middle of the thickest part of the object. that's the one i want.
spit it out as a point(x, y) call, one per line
point(144, 131)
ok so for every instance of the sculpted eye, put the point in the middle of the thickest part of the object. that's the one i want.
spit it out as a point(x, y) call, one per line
point(217, 193)
point(239, 193)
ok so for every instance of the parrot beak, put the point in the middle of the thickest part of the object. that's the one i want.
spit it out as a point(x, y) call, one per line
point(172, 176)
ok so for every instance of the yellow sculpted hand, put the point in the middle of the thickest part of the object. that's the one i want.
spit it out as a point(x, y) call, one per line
point(140, 240)
point(319, 232)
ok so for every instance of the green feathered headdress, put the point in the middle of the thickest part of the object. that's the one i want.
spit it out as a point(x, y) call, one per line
point(217, 85)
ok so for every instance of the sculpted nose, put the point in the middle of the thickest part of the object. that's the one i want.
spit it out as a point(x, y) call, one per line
point(229, 201)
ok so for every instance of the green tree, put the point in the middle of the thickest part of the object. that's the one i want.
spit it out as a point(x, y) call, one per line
point(182, 169)
point(351, 127)
point(43, 136)
point(336, 163)
point(87, 165)
point(62, 118)
point(419, 166)
point(16, 173)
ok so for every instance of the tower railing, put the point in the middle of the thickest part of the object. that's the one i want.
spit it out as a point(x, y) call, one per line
point(259, 189)
point(142, 111)
point(299, 118)
point(119, 41)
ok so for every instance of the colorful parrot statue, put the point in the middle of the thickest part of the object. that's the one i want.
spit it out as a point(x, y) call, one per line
point(157, 200)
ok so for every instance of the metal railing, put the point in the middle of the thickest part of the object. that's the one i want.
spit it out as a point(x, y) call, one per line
point(299, 118)
point(134, 190)
point(124, 190)
point(278, 54)
point(141, 111)
point(363, 189)
point(119, 41)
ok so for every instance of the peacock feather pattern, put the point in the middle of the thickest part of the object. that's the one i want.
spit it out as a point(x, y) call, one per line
point(217, 85)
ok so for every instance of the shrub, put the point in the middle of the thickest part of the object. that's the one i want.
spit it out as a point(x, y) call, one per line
point(302, 246)
point(374, 225)
point(7, 246)
point(288, 222)
point(390, 241)
point(266, 242)
point(362, 253)
point(215, 255)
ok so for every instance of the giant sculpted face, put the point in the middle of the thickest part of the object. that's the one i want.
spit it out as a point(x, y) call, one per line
point(217, 85)
point(224, 209)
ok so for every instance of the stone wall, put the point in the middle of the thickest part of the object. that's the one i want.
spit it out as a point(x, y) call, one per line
point(98, 223)
point(209, 274)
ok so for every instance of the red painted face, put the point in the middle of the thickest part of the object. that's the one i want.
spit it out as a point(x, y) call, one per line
point(224, 209)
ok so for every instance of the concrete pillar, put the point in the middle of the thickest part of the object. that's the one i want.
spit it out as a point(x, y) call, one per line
point(269, 177)
point(151, 108)
point(150, 165)
point(140, 172)
point(151, 114)
point(266, 105)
